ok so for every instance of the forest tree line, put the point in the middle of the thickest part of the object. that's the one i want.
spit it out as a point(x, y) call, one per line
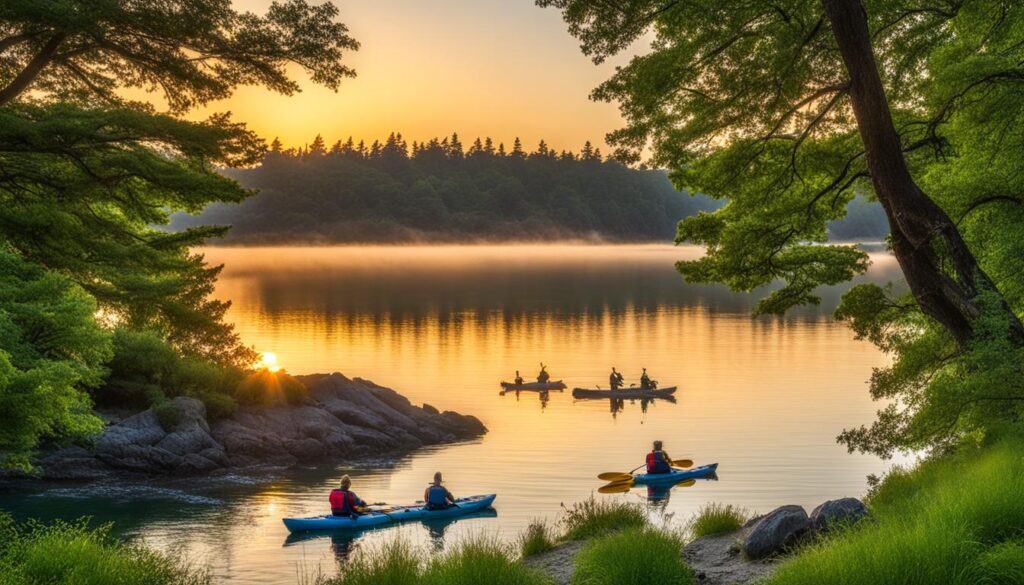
point(442, 190)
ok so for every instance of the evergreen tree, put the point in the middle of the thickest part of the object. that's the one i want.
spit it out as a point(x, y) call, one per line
point(318, 147)
point(489, 146)
point(455, 146)
point(517, 148)
point(275, 146)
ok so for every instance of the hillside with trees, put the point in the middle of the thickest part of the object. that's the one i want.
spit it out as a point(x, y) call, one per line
point(441, 190)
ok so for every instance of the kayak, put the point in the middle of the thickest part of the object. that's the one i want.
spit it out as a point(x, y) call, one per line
point(624, 393)
point(675, 476)
point(462, 507)
point(556, 385)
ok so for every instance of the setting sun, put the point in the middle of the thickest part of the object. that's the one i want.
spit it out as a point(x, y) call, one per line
point(269, 362)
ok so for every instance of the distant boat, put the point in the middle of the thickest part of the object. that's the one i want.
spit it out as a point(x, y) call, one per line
point(624, 393)
point(556, 385)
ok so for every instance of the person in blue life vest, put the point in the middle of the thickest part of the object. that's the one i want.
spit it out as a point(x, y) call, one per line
point(345, 502)
point(658, 460)
point(436, 496)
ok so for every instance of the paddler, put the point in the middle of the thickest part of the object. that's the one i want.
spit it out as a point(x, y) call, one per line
point(519, 379)
point(436, 496)
point(543, 376)
point(345, 502)
point(615, 380)
point(658, 460)
point(645, 381)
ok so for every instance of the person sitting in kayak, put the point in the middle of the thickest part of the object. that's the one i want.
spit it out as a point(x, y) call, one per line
point(646, 383)
point(519, 379)
point(658, 461)
point(543, 376)
point(615, 380)
point(436, 496)
point(344, 502)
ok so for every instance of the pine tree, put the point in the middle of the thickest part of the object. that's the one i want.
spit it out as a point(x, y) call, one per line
point(318, 147)
point(588, 151)
point(275, 146)
point(336, 147)
point(455, 147)
point(477, 149)
point(489, 146)
point(517, 148)
point(542, 149)
point(501, 149)
point(361, 149)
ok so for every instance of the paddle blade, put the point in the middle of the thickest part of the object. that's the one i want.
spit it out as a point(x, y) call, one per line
point(615, 488)
point(614, 476)
point(686, 483)
point(682, 463)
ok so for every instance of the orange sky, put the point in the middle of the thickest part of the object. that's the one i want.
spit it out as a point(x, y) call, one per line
point(503, 68)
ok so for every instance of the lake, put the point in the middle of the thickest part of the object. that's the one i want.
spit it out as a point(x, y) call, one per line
point(764, 397)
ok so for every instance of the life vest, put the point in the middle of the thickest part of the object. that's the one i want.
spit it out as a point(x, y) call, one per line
point(437, 496)
point(343, 500)
point(657, 463)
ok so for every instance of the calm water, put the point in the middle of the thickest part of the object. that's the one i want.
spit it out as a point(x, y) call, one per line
point(764, 397)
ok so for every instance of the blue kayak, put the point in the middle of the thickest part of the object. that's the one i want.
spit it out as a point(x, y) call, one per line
point(675, 476)
point(462, 507)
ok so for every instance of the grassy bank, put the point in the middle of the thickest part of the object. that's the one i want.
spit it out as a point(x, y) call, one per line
point(38, 554)
point(955, 520)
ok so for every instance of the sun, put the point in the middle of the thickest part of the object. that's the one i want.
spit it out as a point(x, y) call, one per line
point(269, 362)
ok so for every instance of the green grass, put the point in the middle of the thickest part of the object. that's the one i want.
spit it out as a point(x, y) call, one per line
point(635, 556)
point(955, 520)
point(716, 519)
point(592, 517)
point(479, 560)
point(38, 554)
point(538, 538)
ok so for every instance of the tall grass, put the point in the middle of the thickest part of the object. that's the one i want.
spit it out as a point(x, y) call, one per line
point(592, 517)
point(477, 561)
point(956, 520)
point(38, 554)
point(538, 538)
point(717, 519)
point(635, 556)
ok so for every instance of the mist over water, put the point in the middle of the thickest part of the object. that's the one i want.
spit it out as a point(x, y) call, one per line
point(764, 397)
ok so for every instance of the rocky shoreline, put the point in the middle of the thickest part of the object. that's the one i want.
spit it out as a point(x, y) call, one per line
point(341, 419)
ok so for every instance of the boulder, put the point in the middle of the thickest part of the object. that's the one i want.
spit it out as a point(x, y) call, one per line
point(776, 532)
point(833, 512)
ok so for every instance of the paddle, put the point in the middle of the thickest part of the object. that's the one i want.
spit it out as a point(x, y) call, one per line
point(615, 488)
point(686, 483)
point(615, 476)
point(682, 463)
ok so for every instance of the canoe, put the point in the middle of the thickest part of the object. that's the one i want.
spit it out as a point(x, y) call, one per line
point(624, 393)
point(675, 476)
point(462, 507)
point(556, 385)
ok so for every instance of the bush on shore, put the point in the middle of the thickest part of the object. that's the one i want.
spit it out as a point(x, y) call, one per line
point(479, 560)
point(592, 517)
point(43, 554)
point(538, 538)
point(638, 556)
point(717, 519)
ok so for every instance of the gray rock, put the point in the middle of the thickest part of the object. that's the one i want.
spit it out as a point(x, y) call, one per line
point(776, 532)
point(340, 418)
point(842, 511)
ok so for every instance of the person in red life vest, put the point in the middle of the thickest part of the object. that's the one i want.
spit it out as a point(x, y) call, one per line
point(658, 461)
point(344, 502)
point(436, 496)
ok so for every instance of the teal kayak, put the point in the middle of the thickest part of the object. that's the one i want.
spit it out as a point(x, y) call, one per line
point(675, 476)
point(462, 507)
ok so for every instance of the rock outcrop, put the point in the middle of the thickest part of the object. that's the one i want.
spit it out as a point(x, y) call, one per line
point(341, 418)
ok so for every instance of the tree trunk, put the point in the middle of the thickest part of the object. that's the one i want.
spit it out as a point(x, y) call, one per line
point(923, 236)
point(21, 82)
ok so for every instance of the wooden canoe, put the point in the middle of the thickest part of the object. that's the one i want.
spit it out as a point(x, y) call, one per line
point(623, 393)
point(510, 387)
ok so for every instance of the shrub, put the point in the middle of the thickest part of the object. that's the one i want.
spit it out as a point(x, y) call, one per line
point(168, 415)
point(264, 387)
point(637, 556)
point(537, 539)
point(592, 517)
point(481, 560)
point(72, 553)
point(395, 563)
point(716, 519)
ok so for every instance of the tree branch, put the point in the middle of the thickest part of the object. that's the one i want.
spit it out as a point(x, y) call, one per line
point(21, 82)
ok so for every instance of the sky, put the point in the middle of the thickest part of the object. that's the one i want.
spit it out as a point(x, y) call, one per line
point(499, 68)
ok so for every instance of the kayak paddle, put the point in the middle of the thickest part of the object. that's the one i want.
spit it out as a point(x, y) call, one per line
point(617, 476)
point(615, 488)
point(682, 463)
point(686, 483)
